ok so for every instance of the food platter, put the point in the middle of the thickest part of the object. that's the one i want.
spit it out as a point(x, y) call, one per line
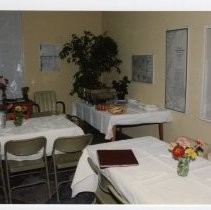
point(112, 108)
point(117, 108)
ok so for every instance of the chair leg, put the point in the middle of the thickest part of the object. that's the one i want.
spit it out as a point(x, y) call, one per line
point(9, 189)
point(47, 177)
point(56, 181)
point(4, 186)
point(57, 188)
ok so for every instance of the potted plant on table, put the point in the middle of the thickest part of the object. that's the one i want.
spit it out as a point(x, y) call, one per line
point(121, 87)
point(94, 54)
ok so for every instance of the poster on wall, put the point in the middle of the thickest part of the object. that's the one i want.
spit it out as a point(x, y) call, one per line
point(176, 69)
point(142, 68)
point(49, 57)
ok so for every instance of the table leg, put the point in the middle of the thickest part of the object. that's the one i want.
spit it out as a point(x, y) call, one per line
point(160, 127)
point(114, 133)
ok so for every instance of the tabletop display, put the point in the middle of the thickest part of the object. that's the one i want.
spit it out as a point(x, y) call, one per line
point(106, 119)
point(51, 127)
point(154, 180)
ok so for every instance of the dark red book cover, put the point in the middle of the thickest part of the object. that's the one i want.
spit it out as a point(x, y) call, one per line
point(115, 158)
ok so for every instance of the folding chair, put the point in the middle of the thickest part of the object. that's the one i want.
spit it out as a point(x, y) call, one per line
point(106, 193)
point(25, 157)
point(66, 154)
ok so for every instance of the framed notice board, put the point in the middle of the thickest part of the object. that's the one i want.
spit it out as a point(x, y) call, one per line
point(176, 69)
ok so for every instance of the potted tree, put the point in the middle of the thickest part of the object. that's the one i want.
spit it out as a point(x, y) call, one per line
point(121, 87)
point(94, 54)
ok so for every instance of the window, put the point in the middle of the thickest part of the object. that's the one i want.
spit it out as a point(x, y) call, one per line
point(11, 52)
point(206, 96)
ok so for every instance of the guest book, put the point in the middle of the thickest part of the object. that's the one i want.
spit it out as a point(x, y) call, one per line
point(116, 158)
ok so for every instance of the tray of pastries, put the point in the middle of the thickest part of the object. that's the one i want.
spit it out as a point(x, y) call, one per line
point(117, 108)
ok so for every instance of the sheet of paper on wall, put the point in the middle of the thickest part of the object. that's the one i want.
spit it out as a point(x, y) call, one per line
point(49, 57)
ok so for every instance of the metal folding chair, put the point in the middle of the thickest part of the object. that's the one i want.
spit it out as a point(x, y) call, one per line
point(20, 161)
point(106, 193)
point(66, 154)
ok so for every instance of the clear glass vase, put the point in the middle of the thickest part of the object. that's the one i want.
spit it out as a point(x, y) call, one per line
point(18, 121)
point(183, 166)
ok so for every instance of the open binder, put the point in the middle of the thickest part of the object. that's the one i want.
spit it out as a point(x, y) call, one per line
point(116, 158)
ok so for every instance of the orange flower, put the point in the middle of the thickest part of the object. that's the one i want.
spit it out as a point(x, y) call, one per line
point(178, 151)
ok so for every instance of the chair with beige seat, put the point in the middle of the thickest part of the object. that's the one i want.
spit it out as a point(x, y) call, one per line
point(106, 193)
point(23, 158)
point(66, 154)
point(47, 103)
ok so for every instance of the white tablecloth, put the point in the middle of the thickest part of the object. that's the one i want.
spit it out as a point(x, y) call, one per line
point(104, 121)
point(51, 127)
point(154, 181)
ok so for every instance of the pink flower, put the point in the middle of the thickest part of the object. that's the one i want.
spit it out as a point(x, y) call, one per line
point(200, 142)
point(183, 141)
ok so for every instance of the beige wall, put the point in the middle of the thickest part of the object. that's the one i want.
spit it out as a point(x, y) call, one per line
point(54, 27)
point(135, 33)
point(143, 33)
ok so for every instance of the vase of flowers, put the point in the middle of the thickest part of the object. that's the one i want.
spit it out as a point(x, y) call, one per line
point(184, 151)
point(19, 115)
point(3, 86)
point(183, 166)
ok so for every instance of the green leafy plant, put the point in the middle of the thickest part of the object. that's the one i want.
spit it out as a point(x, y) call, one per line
point(121, 87)
point(94, 54)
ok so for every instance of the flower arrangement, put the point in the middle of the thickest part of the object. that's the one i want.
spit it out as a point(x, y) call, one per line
point(184, 151)
point(3, 83)
point(19, 114)
point(183, 148)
